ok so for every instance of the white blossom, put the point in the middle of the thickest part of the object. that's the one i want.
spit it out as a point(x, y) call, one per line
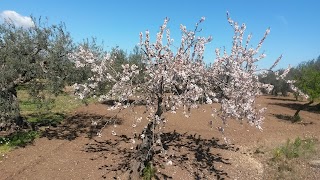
point(176, 77)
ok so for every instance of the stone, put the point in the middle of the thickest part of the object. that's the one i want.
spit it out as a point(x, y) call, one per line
point(315, 163)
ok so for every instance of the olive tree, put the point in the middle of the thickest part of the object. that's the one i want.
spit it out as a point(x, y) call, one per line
point(36, 57)
point(308, 82)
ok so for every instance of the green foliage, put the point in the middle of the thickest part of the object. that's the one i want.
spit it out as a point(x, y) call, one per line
point(307, 76)
point(136, 57)
point(294, 149)
point(81, 74)
point(35, 57)
point(4, 149)
point(309, 80)
point(296, 119)
point(121, 57)
point(286, 158)
point(148, 172)
point(19, 139)
point(63, 103)
point(45, 119)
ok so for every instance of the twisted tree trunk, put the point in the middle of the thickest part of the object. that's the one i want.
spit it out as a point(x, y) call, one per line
point(145, 150)
point(10, 113)
point(304, 106)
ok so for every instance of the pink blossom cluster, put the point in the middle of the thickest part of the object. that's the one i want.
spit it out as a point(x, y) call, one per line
point(176, 77)
point(100, 67)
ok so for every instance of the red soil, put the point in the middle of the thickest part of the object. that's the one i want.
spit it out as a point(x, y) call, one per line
point(73, 151)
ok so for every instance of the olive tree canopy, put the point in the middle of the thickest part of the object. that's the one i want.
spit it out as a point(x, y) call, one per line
point(37, 57)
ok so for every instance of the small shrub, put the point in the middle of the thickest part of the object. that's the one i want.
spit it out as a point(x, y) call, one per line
point(4, 149)
point(287, 158)
point(296, 118)
point(19, 139)
point(148, 172)
point(294, 149)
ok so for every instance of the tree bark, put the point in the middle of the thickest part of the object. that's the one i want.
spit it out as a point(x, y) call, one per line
point(10, 114)
point(145, 151)
point(304, 106)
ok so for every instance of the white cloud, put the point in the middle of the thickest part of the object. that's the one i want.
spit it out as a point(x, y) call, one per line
point(17, 19)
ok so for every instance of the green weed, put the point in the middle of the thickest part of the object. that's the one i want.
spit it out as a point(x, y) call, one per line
point(286, 158)
point(296, 119)
point(18, 139)
point(45, 119)
point(295, 149)
point(148, 172)
point(63, 103)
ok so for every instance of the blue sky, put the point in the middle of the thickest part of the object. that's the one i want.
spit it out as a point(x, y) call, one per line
point(295, 24)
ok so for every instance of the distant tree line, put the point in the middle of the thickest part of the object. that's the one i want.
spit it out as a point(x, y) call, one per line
point(299, 73)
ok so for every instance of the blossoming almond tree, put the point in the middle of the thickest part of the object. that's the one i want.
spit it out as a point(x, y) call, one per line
point(178, 78)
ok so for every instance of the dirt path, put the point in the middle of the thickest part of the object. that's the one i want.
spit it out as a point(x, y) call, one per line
point(72, 151)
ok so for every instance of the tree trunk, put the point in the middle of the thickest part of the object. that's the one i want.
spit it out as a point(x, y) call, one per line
point(145, 151)
point(304, 106)
point(10, 113)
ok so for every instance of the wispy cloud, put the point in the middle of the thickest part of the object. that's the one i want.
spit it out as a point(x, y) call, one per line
point(16, 19)
point(283, 19)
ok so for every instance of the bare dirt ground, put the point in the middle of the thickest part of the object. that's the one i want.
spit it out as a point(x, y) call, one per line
point(73, 151)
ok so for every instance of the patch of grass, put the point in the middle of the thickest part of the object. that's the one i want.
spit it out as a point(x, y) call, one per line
point(148, 172)
point(287, 158)
point(67, 103)
point(295, 149)
point(5, 148)
point(46, 119)
point(51, 112)
point(63, 103)
point(17, 139)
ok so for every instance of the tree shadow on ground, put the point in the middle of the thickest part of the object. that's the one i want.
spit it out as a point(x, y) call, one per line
point(291, 119)
point(37, 120)
point(111, 102)
point(190, 152)
point(296, 106)
point(284, 117)
point(282, 99)
point(76, 125)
